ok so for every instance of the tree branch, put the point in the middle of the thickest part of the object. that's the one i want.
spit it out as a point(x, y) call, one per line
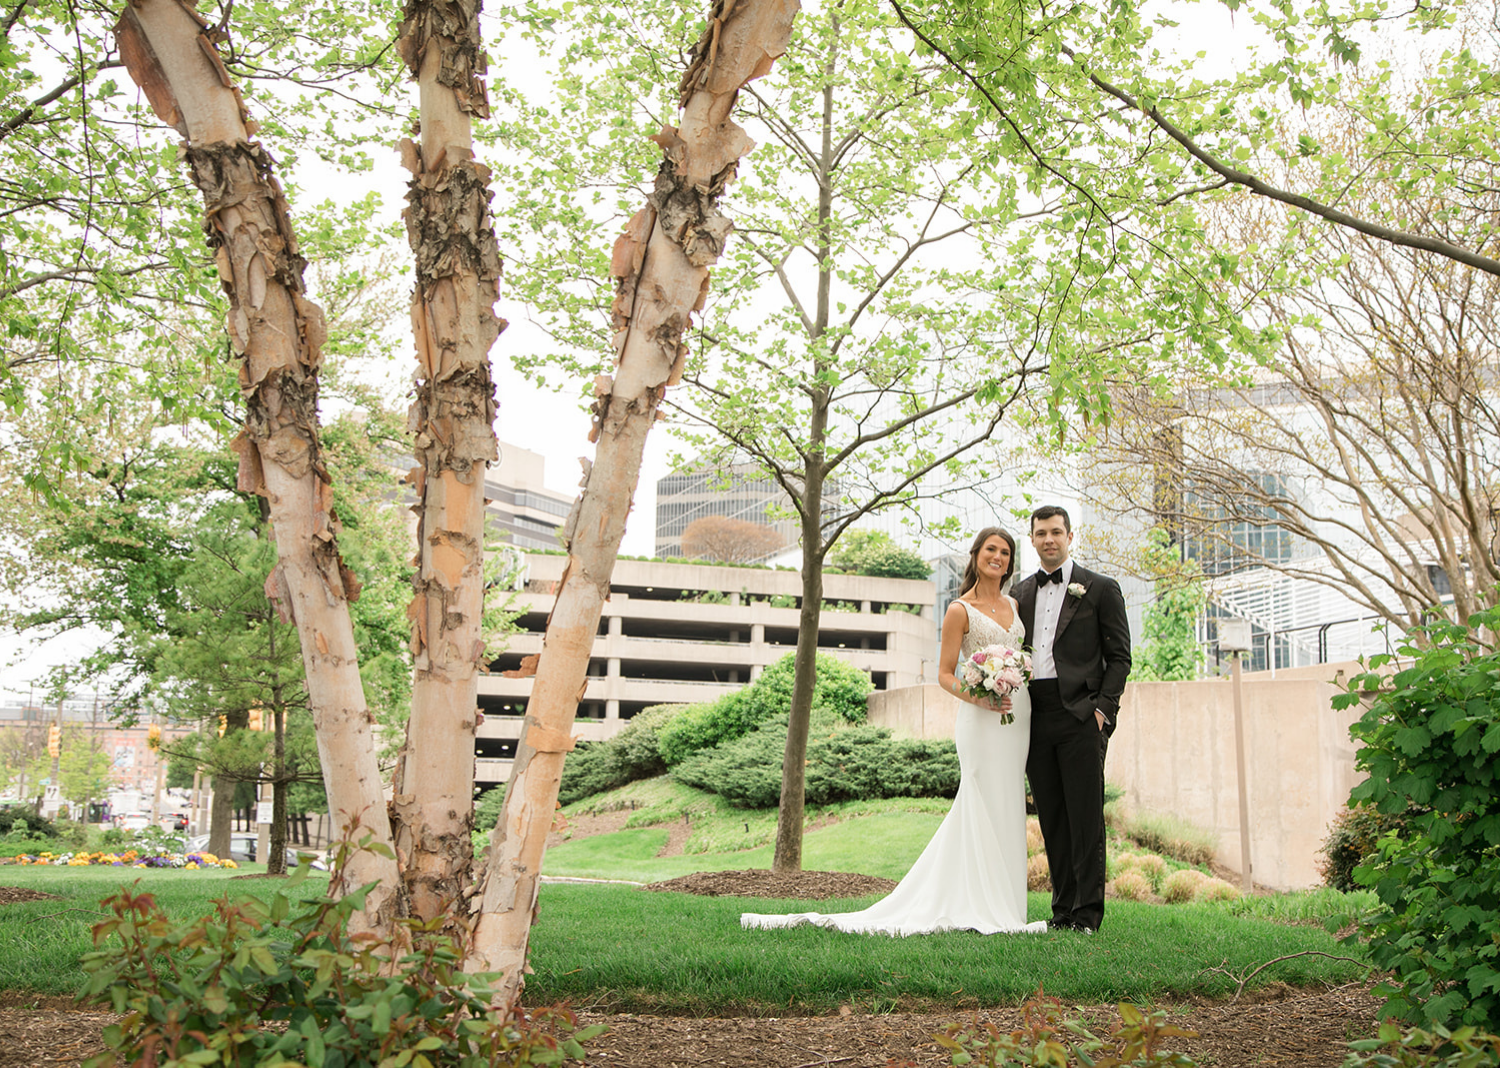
point(1295, 200)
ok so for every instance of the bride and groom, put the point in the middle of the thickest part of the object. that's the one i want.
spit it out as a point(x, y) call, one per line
point(972, 875)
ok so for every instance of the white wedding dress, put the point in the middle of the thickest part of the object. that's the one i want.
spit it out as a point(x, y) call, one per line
point(972, 875)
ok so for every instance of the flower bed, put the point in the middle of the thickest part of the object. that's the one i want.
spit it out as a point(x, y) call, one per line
point(128, 859)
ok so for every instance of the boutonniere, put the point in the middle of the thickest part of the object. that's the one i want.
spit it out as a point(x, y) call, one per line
point(1077, 589)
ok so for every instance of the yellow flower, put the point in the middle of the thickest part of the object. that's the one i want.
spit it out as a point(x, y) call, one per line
point(228, 864)
point(191, 865)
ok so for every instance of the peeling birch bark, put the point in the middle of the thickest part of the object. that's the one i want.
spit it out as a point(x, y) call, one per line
point(660, 266)
point(451, 420)
point(278, 334)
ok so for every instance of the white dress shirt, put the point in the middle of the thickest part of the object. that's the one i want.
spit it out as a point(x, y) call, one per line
point(1048, 608)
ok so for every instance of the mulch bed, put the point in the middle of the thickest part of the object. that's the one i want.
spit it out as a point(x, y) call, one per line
point(1277, 1025)
point(801, 885)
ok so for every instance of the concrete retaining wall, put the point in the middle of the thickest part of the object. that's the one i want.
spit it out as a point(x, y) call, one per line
point(1174, 753)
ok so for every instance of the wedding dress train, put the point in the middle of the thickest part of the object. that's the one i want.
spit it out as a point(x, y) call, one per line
point(972, 875)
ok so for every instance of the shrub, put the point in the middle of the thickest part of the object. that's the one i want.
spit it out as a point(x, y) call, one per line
point(840, 690)
point(1217, 890)
point(703, 726)
point(843, 764)
point(31, 824)
point(1123, 862)
point(1181, 886)
point(1170, 836)
point(1049, 1036)
point(1034, 841)
point(286, 982)
point(1038, 874)
point(1132, 886)
point(875, 553)
point(634, 753)
point(1393, 1047)
point(1352, 839)
point(1428, 744)
point(1152, 867)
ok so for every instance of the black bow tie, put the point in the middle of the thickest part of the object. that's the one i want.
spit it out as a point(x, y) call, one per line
point(1043, 577)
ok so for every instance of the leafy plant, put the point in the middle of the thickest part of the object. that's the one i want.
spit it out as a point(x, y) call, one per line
point(1049, 1037)
point(31, 824)
point(1354, 838)
point(841, 690)
point(844, 763)
point(1169, 651)
point(1428, 742)
point(875, 553)
point(287, 982)
point(1393, 1047)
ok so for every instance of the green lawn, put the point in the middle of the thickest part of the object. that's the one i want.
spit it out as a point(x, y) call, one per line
point(622, 949)
point(42, 941)
point(619, 948)
point(884, 844)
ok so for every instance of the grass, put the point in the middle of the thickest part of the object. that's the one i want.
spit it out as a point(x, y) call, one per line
point(719, 828)
point(884, 844)
point(616, 948)
point(41, 942)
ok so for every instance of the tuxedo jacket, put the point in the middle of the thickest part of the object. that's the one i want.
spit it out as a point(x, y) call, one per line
point(1092, 644)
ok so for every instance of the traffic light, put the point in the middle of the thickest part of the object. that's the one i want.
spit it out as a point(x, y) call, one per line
point(54, 740)
point(153, 736)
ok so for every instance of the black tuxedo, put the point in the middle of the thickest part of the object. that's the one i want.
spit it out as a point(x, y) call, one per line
point(1065, 766)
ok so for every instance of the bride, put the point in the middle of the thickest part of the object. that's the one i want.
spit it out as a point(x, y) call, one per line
point(972, 875)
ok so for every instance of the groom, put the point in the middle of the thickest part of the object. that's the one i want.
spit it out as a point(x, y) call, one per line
point(1080, 654)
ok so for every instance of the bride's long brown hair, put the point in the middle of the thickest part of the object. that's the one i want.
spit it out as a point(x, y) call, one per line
point(971, 569)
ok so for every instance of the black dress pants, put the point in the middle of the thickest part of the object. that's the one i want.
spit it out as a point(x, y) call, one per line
point(1066, 769)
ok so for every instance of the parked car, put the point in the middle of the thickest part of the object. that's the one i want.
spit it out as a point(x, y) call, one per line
point(242, 847)
point(133, 821)
point(174, 821)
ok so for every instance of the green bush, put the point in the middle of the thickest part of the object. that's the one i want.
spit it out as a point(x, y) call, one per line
point(34, 826)
point(841, 690)
point(844, 763)
point(632, 754)
point(1353, 838)
point(287, 983)
point(703, 726)
point(1394, 1047)
point(875, 553)
point(1428, 742)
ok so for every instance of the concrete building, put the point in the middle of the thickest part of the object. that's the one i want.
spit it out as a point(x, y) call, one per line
point(678, 633)
point(742, 492)
point(522, 510)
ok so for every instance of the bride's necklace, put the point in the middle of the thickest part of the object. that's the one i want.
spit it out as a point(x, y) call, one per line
point(990, 610)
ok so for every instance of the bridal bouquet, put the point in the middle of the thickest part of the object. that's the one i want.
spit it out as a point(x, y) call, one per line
point(994, 671)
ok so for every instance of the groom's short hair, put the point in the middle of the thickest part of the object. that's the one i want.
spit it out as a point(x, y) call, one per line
point(1047, 511)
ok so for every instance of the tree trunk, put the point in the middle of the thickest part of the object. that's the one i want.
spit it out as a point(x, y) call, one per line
point(170, 54)
point(660, 266)
point(221, 815)
point(454, 325)
point(788, 855)
point(789, 812)
point(276, 846)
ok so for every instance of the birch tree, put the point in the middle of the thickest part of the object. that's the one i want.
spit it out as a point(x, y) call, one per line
point(277, 333)
point(452, 417)
point(660, 268)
